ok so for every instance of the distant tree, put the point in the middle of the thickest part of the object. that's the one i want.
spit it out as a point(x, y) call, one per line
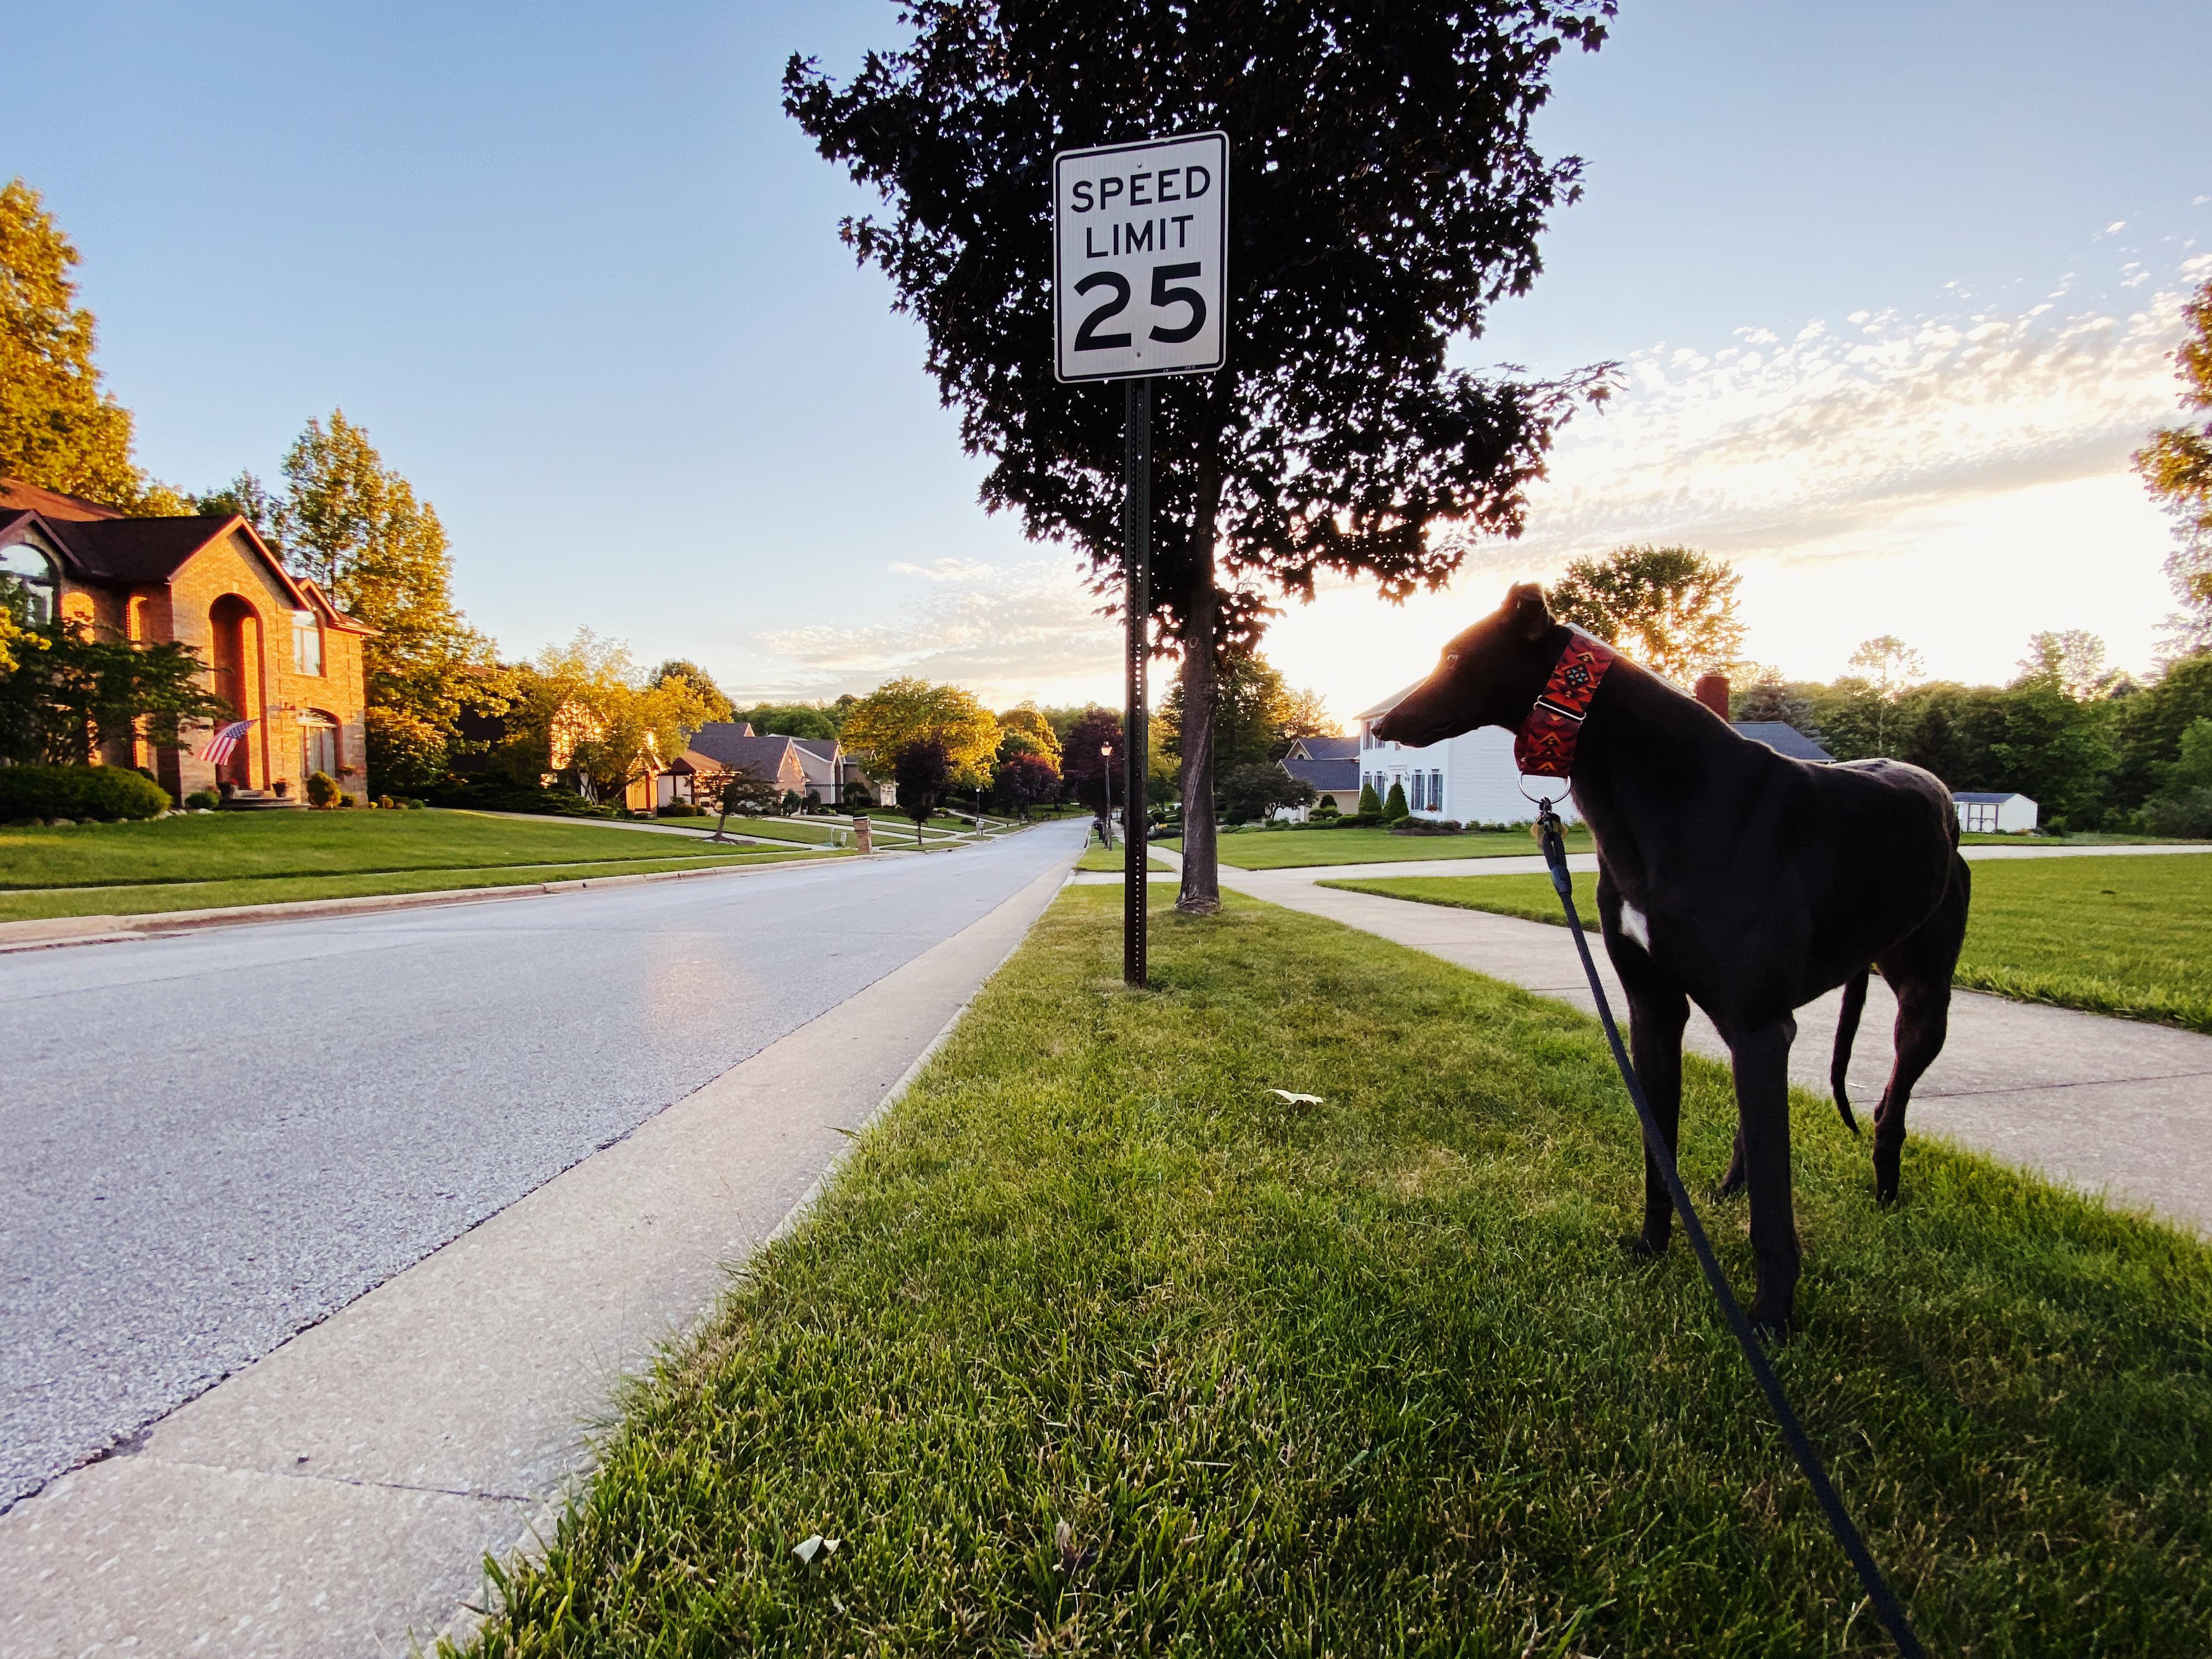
point(903, 713)
point(1673, 609)
point(711, 697)
point(587, 709)
point(1255, 713)
point(2176, 465)
point(2183, 805)
point(2147, 729)
point(1393, 805)
point(1028, 722)
point(355, 526)
point(2073, 660)
point(923, 771)
point(790, 719)
point(1888, 664)
point(1022, 782)
point(732, 791)
point(248, 497)
point(1305, 714)
point(1087, 775)
point(1255, 791)
point(72, 692)
point(58, 428)
point(1386, 194)
point(1768, 696)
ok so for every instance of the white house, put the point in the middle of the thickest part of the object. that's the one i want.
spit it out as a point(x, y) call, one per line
point(2001, 815)
point(1470, 778)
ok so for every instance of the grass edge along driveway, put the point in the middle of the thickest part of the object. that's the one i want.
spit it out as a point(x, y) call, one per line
point(2129, 937)
point(1096, 1343)
point(1300, 849)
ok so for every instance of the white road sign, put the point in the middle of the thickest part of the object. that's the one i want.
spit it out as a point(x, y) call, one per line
point(1139, 243)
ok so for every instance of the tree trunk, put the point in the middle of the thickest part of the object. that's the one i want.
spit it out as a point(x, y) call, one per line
point(1201, 873)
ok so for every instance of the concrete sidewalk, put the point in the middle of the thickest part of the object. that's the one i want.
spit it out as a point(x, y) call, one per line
point(336, 1496)
point(2107, 1105)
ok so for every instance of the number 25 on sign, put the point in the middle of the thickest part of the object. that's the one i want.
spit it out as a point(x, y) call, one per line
point(1139, 240)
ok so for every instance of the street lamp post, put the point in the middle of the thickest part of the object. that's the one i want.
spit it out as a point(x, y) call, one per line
point(1106, 794)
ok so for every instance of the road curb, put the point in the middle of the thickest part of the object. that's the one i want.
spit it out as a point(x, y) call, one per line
point(48, 933)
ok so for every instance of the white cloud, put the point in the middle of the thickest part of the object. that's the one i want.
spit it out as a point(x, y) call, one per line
point(1005, 632)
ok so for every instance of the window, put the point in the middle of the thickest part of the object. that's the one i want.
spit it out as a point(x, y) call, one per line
point(1436, 792)
point(307, 642)
point(27, 584)
point(319, 744)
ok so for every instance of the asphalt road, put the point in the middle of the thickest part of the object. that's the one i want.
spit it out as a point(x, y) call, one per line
point(212, 1142)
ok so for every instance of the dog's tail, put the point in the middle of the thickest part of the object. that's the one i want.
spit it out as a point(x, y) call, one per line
point(1847, 1027)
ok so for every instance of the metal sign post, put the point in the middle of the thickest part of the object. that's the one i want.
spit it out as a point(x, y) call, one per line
point(1136, 555)
point(1140, 237)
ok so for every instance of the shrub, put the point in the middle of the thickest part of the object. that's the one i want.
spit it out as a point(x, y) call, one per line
point(101, 793)
point(679, 809)
point(323, 790)
point(1413, 826)
point(1395, 807)
point(1371, 804)
point(203, 800)
point(2187, 814)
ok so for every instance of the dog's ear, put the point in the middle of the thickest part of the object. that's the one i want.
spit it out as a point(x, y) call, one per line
point(1532, 617)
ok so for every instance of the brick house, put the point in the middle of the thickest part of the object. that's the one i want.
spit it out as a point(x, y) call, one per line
point(277, 650)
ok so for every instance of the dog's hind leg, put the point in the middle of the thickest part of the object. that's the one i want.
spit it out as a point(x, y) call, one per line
point(1919, 970)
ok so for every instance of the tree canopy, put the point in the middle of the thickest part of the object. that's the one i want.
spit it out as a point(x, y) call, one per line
point(1673, 609)
point(901, 712)
point(1384, 192)
point(2176, 466)
point(59, 427)
point(710, 695)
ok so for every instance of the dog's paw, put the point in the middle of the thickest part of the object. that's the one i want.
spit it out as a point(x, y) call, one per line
point(1770, 1325)
point(1636, 1248)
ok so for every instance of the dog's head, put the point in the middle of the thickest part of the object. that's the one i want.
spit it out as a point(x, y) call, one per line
point(1491, 675)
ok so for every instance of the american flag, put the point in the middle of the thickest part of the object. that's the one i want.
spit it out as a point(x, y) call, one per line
point(218, 748)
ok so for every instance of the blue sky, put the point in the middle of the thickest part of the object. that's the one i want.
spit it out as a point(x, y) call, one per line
point(1893, 284)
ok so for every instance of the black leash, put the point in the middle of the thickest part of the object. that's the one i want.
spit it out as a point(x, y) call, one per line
point(1885, 1605)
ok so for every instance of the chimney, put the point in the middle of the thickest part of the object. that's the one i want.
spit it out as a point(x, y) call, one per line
point(1713, 692)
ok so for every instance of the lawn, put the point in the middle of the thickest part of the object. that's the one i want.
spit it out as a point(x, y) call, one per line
point(1097, 858)
point(224, 859)
point(1283, 849)
point(2125, 936)
point(1097, 1346)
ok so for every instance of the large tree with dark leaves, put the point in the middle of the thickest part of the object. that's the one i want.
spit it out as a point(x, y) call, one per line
point(1383, 194)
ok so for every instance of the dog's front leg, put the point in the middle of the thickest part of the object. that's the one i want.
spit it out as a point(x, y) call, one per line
point(1657, 1012)
point(1761, 1057)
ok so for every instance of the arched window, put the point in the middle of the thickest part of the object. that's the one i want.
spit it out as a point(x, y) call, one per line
point(28, 584)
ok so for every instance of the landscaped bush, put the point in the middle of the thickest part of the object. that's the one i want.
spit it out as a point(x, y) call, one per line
point(103, 793)
point(496, 795)
point(1412, 826)
point(679, 809)
point(323, 790)
point(203, 800)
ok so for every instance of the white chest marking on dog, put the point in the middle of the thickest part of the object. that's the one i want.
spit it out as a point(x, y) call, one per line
point(1633, 924)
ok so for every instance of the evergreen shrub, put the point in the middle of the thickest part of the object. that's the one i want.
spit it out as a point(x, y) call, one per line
point(80, 794)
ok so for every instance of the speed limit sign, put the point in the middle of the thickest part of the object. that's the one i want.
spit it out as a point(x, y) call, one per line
point(1139, 240)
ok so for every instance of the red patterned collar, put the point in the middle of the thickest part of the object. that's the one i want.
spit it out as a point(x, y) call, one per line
point(1543, 747)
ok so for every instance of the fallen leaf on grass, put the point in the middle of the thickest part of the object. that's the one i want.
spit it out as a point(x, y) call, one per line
point(1297, 1099)
point(811, 1547)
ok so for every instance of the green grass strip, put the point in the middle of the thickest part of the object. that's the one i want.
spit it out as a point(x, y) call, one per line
point(2131, 937)
point(1097, 1346)
point(27, 906)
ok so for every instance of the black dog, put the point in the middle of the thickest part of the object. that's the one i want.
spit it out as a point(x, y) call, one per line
point(1728, 876)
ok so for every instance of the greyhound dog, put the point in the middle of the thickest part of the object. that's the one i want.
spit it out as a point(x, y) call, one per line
point(1730, 876)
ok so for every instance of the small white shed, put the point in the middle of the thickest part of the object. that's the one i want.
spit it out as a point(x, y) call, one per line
point(1997, 814)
